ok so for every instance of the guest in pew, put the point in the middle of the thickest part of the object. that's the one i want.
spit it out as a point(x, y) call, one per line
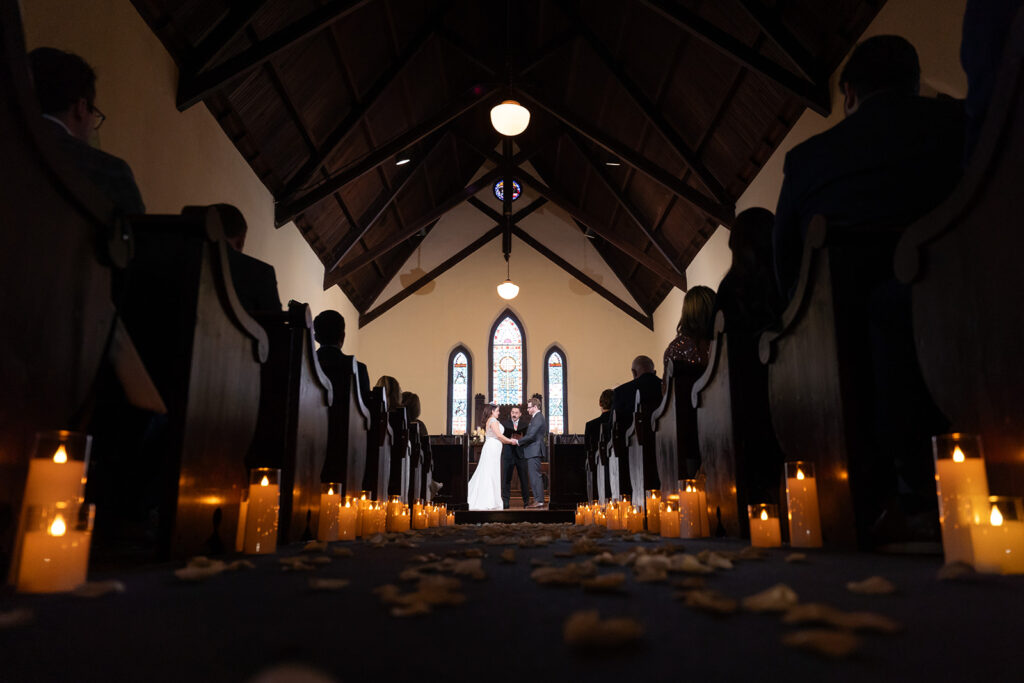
point(65, 86)
point(694, 331)
point(747, 295)
point(645, 379)
point(329, 332)
point(392, 391)
point(592, 430)
point(255, 281)
point(412, 405)
point(892, 159)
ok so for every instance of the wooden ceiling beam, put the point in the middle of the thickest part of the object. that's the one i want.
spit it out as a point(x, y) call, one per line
point(356, 115)
point(193, 87)
point(598, 226)
point(689, 157)
point(380, 206)
point(370, 316)
point(627, 206)
point(287, 209)
point(645, 320)
point(234, 23)
point(364, 259)
point(723, 213)
point(482, 207)
point(772, 26)
point(626, 282)
point(813, 94)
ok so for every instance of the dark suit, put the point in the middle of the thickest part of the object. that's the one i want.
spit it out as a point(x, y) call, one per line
point(112, 175)
point(592, 439)
point(512, 458)
point(886, 164)
point(338, 368)
point(535, 446)
point(255, 283)
point(624, 396)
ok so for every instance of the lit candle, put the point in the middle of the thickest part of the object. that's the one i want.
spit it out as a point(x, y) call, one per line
point(347, 515)
point(765, 530)
point(588, 514)
point(962, 488)
point(635, 521)
point(624, 507)
point(998, 541)
point(55, 547)
point(362, 508)
point(330, 501)
point(689, 510)
point(262, 511)
point(451, 518)
point(56, 470)
point(668, 517)
point(702, 504)
point(394, 510)
point(434, 516)
point(802, 503)
point(612, 517)
point(653, 509)
point(579, 514)
point(379, 518)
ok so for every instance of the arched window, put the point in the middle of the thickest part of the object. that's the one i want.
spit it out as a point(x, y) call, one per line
point(460, 389)
point(556, 390)
point(507, 360)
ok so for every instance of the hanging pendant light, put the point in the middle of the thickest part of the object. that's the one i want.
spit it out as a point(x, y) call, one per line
point(508, 290)
point(510, 118)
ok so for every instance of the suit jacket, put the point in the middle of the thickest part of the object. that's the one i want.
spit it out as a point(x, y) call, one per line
point(111, 174)
point(624, 396)
point(535, 442)
point(338, 368)
point(255, 283)
point(592, 430)
point(887, 164)
point(507, 450)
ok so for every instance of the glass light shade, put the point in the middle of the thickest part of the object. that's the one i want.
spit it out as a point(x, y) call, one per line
point(508, 290)
point(510, 118)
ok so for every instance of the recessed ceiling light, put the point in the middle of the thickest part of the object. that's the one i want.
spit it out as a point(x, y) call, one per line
point(613, 162)
point(402, 160)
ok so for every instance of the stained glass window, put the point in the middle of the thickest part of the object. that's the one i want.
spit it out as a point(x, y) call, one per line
point(499, 190)
point(554, 381)
point(459, 374)
point(507, 366)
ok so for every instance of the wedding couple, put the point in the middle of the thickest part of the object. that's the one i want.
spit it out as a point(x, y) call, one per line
point(485, 487)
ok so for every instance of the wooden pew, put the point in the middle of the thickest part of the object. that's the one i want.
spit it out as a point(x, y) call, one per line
point(674, 427)
point(450, 453)
point(819, 373)
point(568, 471)
point(292, 430)
point(204, 353)
point(595, 472)
point(619, 481)
point(963, 263)
point(739, 453)
point(605, 476)
point(421, 463)
point(400, 477)
point(59, 239)
point(347, 433)
point(643, 467)
point(380, 439)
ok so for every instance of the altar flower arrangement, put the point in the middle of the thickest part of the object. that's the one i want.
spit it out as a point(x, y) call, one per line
point(478, 435)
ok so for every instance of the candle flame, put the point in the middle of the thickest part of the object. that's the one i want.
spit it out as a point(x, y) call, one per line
point(330, 490)
point(348, 503)
point(764, 515)
point(58, 528)
point(996, 518)
point(264, 481)
point(60, 455)
point(958, 455)
point(689, 488)
point(799, 473)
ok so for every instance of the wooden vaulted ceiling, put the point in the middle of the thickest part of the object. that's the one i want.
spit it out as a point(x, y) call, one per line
point(691, 98)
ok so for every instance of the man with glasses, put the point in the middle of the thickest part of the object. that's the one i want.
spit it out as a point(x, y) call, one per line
point(66, 89)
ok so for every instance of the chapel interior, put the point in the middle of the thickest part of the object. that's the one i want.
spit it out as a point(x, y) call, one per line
point(272, 269)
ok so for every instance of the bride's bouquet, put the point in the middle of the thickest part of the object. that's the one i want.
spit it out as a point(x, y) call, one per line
point(478, 435)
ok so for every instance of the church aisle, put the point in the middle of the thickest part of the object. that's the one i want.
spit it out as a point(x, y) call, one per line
point(235, 624)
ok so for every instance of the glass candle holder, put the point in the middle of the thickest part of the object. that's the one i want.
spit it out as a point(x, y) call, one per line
point(330, 504)
point(55, 547)
point(702, 496)
point(262, 511)
point(962, 488)
point(347, 517)
point(243, 509)
point(652, 501)
point(997, 539)
point(689, 509)
point(635, 519)
point(57, 469)
point(802, 504)
point(668, 516)
point(765, 531)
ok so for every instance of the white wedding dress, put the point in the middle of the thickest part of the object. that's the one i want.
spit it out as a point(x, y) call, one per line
point(485, 485)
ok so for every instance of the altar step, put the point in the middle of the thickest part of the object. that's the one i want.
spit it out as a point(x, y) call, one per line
point(514, 516)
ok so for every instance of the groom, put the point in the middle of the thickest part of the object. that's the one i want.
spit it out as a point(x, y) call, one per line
point(534, 444)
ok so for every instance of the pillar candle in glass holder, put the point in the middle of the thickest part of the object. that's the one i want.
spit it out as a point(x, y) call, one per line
point(611, 514)
point(330, 501)
point(347, 514)
point(57, 468)
point(362, 506)
point(419, 517)
point(702, 503)
point(802, 503)
point(653, 504)
point(381, 518)
point(588, 514)
point(624, 507)
point(262, 511)
point(435, 516)
point(668, 517)
point(599, 517)
point(55, 547)
point(689, 509)
point(636, 520)
point(962, 488)
point(394, 510)
point(998, 541)
point(451, 518)
point(579, 514)
point(765, 531)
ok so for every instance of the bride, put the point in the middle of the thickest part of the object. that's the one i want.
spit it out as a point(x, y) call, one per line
point(485, 485)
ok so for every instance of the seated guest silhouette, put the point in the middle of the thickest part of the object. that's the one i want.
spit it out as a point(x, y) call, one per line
point(747, 294)
point(645, 378)
point(592, 430)
point(255, 281)
point(329, 332)
point(893, 157)
point(65, 86)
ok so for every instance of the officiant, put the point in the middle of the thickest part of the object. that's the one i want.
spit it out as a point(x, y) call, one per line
point(512, 458)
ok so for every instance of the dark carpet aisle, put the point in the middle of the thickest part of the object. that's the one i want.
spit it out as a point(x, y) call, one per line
point(236, 625)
